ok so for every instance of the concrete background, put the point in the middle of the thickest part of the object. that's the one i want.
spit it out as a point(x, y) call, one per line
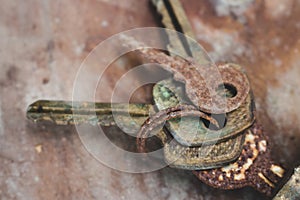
point(42, 46)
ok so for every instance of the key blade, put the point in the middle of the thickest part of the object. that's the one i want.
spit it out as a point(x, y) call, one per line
point(174, 17)
point(68, 112)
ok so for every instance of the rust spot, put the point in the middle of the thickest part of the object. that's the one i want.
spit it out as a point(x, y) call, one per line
point(12, 73)
point(50, 46)
point(256, 171)
point(45, 81)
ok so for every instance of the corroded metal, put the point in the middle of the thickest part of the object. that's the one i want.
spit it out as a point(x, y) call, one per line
point(174, 17)
point(241, 154)
point(202, 83)
point(254, 167)
point(194, 132)
point(205, 156)
point(128, 116)
point(196, 147)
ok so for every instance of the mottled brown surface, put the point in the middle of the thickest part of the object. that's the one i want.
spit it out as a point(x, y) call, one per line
point(241, 173)
point(42, 46)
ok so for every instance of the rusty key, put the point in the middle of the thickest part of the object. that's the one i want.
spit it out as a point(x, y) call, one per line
point(254, 167)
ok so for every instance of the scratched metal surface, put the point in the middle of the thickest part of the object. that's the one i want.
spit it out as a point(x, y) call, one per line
point(42, 46)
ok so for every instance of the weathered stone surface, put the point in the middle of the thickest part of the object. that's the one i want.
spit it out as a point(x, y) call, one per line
point(42, 46)
point(291, 190)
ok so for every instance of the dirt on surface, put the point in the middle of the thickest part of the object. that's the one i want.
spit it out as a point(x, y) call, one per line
point(43, 45)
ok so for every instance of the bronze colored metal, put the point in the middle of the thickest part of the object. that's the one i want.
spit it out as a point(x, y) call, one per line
point(174, 17)
point(254, 167)
point(129, 116)
point(205, 156)
point(192, 132)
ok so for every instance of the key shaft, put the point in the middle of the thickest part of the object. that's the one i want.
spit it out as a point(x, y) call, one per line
point(68, 112)
point(174, 17)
